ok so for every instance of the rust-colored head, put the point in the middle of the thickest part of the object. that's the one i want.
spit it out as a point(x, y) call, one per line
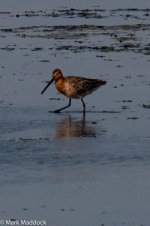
point(56, 75)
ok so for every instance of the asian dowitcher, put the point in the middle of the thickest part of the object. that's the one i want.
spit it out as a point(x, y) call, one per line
point(74, 87)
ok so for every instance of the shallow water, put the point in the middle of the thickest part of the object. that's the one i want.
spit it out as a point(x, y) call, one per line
point(47, 142)
point(67, 151)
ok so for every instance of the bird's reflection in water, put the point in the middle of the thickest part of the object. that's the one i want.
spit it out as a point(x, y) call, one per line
point(74, 127)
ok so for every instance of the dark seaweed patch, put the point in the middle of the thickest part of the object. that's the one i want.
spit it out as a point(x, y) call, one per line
point(122, 37)
point(147, 106)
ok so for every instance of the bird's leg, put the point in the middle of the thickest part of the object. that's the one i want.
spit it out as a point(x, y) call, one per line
point(83, 105)
point(57, 111)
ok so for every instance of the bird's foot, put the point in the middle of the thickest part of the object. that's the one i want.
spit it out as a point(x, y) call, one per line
point(57, 111)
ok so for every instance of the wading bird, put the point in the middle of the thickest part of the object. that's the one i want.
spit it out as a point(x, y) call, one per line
point(74, 87)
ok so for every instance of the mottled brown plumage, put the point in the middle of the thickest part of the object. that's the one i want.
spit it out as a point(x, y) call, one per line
point(74, 87)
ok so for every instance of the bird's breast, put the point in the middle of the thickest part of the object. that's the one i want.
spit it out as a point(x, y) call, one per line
point(67, 89)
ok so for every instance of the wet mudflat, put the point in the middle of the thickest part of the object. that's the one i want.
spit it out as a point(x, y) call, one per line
point(70, 168)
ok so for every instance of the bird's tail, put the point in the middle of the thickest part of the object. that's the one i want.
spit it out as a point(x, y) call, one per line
point(102, 82)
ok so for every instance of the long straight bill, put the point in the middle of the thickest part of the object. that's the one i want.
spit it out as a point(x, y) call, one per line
point(47, 86)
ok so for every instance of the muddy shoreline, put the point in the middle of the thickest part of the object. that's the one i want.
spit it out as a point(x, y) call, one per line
point(66, 168)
